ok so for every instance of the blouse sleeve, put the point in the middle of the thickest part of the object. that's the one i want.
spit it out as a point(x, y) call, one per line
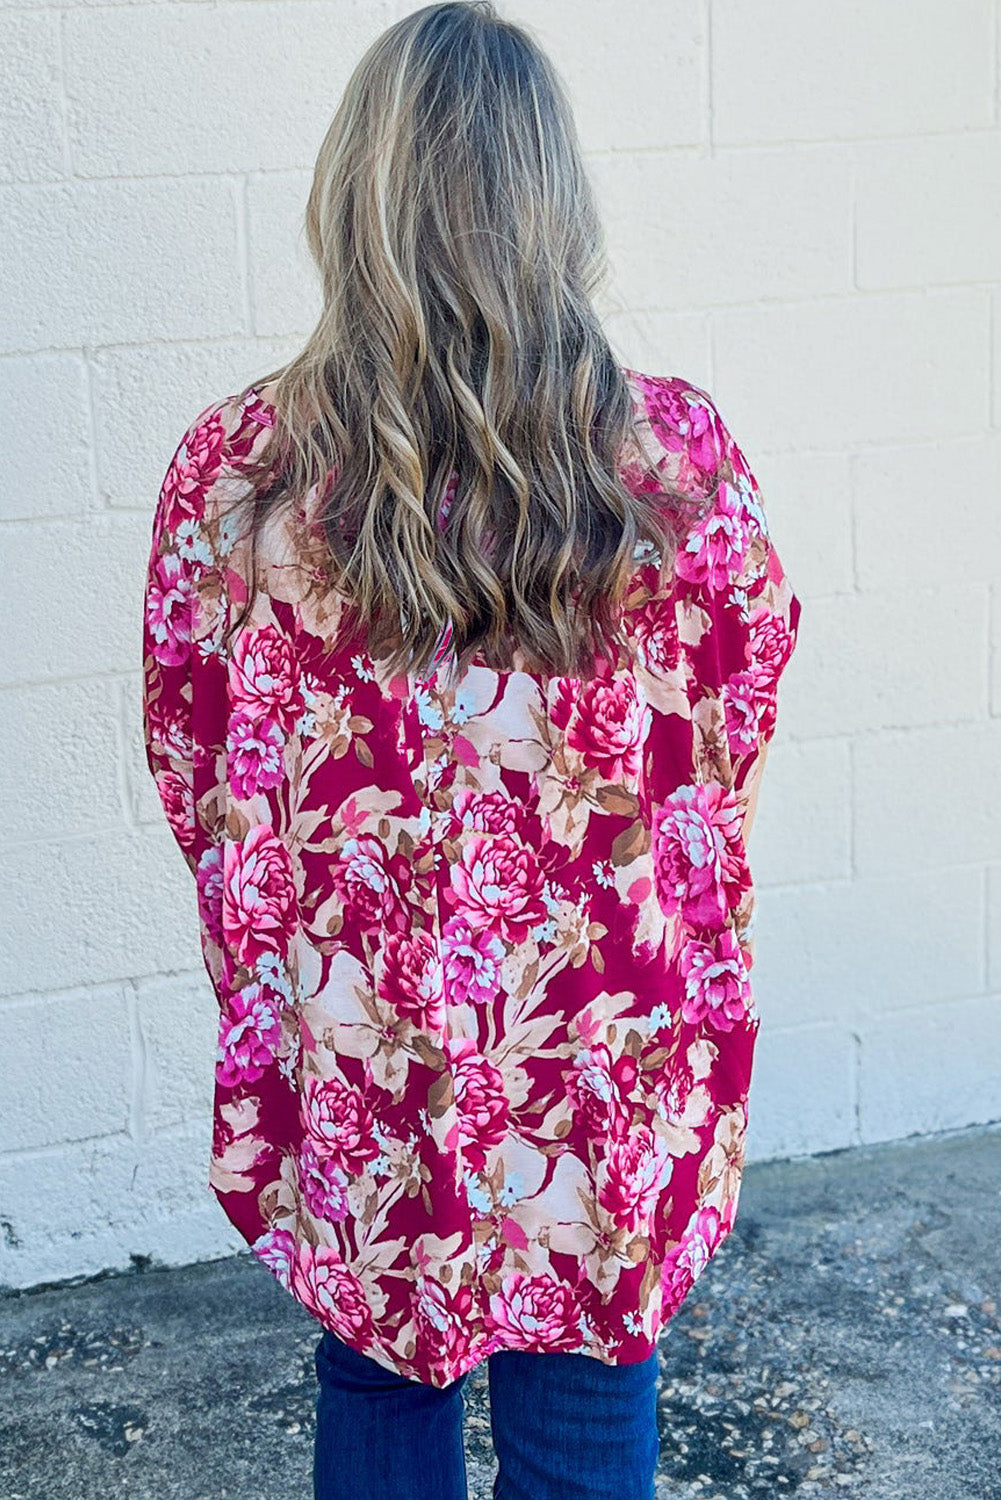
point(750, 609)
point(180, 562)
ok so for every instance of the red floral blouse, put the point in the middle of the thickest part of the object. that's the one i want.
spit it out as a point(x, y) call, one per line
point(481, 953)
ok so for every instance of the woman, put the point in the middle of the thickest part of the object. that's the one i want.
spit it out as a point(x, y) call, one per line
point(462, 645)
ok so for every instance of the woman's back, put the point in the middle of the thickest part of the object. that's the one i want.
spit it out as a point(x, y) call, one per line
point(481, 946)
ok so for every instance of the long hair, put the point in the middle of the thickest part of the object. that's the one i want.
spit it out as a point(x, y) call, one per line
point(458, 245)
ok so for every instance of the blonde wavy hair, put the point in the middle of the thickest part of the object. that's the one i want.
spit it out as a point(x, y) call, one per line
point(458, 244)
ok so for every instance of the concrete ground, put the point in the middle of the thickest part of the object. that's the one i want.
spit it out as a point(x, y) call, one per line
point(845, 1341)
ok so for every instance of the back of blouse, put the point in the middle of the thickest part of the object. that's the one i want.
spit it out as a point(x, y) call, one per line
point(481, 952)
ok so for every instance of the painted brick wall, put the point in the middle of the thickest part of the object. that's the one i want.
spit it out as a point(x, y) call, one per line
point(801, 202)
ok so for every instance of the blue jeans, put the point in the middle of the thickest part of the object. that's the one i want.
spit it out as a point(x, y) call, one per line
point(564, 1427)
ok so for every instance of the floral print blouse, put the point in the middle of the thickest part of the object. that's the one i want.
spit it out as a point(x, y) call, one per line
point(481, 953)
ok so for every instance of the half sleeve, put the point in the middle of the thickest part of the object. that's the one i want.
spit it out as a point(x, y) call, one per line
point(180, 560)
point(751, 610)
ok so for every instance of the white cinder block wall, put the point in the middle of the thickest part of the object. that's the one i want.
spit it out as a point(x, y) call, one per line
point(801, 202)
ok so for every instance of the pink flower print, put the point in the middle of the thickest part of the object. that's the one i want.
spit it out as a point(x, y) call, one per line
point(178, 798)
point(264, 677)
point(497, 882)
point(472, 962)
point(194, 468)
point(442, 1320)
point(488, 812)
point(254, 747)
point(276, 1250)
point(717, 987)
point(169, 734)
point(656, 634)
point(714, 552)
point(323, 1182)
point(236, 1142)
point(411, 978)
point(672, 1090)
point(259, 410)
point(339, 1123)
point(260, 908)
point(595, 1087)
point(726, 818)
point(363, 877)
point(630, 1176)
point(605, 720)
point(537, 1313)
point(685, 1263)
point(332, 1292)
point(701, 1238)
point(210, 883)
point(698, 856)
point(480, 1100)
point(250, 1034)
point(741, 711)
point(686, 859)
point(170, 611)
point(456, 888)
point(770, 646)
point(684, 421)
